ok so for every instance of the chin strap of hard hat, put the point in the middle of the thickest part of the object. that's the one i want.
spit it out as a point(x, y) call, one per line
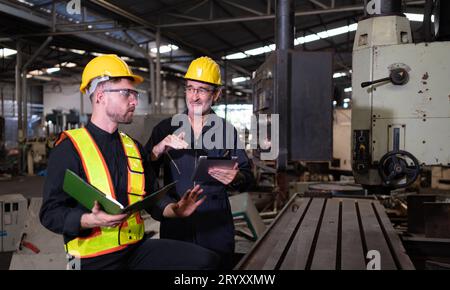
point(94, 83)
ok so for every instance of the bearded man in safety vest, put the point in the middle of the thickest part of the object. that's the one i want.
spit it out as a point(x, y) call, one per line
point(117, 165)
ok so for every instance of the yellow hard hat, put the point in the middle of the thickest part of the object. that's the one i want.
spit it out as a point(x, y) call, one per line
point(108, 65)
point(204, 69)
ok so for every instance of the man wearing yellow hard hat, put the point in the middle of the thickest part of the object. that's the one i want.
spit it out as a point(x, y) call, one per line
point(117, 165)
point(211, 226)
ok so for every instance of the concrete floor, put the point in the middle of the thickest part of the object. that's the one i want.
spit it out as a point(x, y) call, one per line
point(29, 186)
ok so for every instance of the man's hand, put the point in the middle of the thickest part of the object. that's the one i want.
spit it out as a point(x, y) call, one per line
point(170, 142)
point(99, 218)
point(226, 176)
point(187, 204)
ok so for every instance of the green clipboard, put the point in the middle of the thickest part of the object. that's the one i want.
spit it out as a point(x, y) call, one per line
point(86, 194)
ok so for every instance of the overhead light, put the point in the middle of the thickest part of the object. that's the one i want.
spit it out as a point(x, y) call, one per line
point(238, 55)
point(59, 48)
point(334, 103)
point(339, 75)
point(78, 51)
point(164, 48)
point(126, 58)
point(314, 37)
point(345, 105)
point(259, 50)
point(97, 53)
point(143, 69)
point(346, 100)
point(238, 93)
point(52, 70)
point(42, 78)
point(297, 41)
point(347, 90)
point(36, 72)
point(417, 17)
point(306, 39)
point(240, 79)
point(5, 52)
point(68, 64)
point(26, 2)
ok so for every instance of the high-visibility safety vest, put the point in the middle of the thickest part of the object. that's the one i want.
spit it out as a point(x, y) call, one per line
point(104, 240)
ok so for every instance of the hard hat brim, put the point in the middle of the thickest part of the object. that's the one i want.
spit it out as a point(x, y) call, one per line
point(208, 83)
point(136, 80)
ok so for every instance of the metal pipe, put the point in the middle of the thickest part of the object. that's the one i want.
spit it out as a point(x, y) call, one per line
point(152, 82)
point(151, 67)
point(284, 43)
point(195, 6)
point(242, 7)
point(211, 9)
point(18, 97)
point(53, 16)
point(122, 12)
point(23, 106)
point(158, 71)
point(426, 26)
point(17, 92)
point(37, 52)
point(3, 102)
point(442, 22)
point(225, 81)
point(81, 104)
point(24, 72)
point(285, 25)
point(184, 17)
point(84, 23)
point(318, 3)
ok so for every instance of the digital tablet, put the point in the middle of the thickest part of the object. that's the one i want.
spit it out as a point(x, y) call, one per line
point(204, 163)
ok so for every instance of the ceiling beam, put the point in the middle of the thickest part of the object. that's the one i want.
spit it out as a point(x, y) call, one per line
point(272, 16)
point(30, 15)
point(263, 17)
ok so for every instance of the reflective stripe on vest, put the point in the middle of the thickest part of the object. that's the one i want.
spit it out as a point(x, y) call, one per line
point(105, 240)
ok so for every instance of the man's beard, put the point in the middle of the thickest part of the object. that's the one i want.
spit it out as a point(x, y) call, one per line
point(201, 109)
point(121, 119)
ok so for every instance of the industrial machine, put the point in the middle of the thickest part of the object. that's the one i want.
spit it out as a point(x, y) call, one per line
point(309, 109)
point(13, 214)
point(58, 121)
point(401, 101)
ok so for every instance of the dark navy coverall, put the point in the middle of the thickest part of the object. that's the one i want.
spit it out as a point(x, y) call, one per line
point(211, 225)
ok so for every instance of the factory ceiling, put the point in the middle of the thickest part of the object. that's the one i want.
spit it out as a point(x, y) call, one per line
point(238, 34)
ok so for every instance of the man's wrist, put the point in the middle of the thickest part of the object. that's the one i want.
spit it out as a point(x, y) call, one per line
point(85, 222)
point(168, 211)
point(237, 181)
point(156, 153)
